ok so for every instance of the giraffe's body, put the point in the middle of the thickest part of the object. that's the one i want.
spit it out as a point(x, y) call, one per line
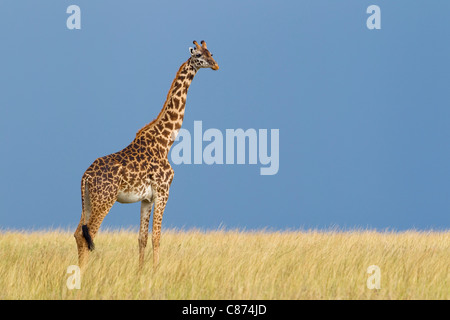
point(141, 171)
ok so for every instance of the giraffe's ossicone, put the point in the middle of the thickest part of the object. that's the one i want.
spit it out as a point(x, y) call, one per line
point(141, 171)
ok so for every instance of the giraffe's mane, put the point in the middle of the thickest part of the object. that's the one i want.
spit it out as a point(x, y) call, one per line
point(149, 125)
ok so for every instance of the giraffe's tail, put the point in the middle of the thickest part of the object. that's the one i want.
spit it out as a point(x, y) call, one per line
point(87, 236)
point(86, 204)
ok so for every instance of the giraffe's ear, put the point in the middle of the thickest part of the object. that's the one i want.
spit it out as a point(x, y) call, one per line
point(191, 51)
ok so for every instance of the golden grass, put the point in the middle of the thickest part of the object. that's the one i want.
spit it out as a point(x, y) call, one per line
point(230, 265)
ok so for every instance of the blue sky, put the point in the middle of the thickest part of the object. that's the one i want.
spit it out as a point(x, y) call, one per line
point(363, 115)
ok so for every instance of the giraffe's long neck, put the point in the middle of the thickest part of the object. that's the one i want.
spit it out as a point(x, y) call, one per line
point(165, 127)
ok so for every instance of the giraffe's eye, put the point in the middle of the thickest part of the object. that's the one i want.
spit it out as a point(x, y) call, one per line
point(198, 55)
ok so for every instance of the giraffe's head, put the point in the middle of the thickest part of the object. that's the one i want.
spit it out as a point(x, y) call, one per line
point(201, 57)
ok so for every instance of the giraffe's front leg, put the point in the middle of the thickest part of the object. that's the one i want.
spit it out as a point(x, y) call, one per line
point(160, 204)
point(146, 210)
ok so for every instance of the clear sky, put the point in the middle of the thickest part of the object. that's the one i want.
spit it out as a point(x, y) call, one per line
point(363, 115)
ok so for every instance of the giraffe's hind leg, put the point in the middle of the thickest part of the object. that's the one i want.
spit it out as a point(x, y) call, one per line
point(100, 202)
point(83, 250)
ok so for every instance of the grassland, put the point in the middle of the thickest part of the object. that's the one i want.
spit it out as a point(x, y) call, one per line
point(230, 265)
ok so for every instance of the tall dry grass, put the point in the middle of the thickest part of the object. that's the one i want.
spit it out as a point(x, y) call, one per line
point(229, 265)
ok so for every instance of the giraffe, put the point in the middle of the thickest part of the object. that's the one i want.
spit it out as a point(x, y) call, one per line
point(141, 171)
